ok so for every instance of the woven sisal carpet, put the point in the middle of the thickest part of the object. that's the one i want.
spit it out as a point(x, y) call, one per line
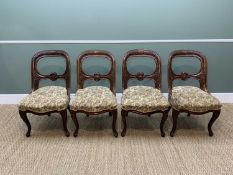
point(96, 151)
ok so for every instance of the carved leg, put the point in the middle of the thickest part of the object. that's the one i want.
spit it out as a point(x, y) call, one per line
point(114, 114)
point(124, 114)
point(110, 114)
point(188, 114)
point(212, 120)
point(74, 118)
point(23, 116)
point(175, 114)
point(64, 121)
point(164, 118)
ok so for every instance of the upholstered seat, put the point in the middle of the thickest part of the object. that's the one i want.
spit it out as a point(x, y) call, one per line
point(143, 99)
point(193, 99)
point(94, 99)
point(45, 99)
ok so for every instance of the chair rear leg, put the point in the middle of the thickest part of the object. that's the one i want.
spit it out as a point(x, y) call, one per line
point(175, 114)
point(114, 119)
point(64, 121)
point(23, 116)
point(212, 120)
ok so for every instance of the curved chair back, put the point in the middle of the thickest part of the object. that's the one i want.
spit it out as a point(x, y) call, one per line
point(201, 76)
point(36, 76)
point(91, 54)
point(155, 76)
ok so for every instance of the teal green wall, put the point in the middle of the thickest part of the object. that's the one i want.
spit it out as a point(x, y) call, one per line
point(114, 20)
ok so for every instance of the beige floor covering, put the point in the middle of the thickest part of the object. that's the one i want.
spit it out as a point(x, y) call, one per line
point(96, 151)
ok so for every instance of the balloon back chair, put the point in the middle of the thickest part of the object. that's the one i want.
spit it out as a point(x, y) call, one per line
point(94, 100)
point(48, 99)
point(143, 100)
point(190, 99)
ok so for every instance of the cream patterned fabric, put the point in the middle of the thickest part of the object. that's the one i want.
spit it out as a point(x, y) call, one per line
point(143, 99)
point(94, 99)
point(45, 99)
point(193, 99)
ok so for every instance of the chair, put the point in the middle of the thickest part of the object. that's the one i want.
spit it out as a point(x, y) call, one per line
point(48, 99)
point(143, 100)
point(189, 99)
point(94, 100)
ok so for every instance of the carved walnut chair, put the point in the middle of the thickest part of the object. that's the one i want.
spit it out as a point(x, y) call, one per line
point(48, 99)
point(143, 100)
point(189, 99)
point(94, 100)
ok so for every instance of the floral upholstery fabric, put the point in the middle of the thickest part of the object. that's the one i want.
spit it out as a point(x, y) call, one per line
point(45, 99)
point(193, 99)
point(143, 99)
point(94, 99)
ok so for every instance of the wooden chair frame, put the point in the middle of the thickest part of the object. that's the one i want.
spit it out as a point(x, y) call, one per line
point(201, 76)
point(155, 76)
point(82, 77)
point(36, 77)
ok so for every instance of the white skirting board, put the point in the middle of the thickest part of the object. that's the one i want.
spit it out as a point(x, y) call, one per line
point(15, 98)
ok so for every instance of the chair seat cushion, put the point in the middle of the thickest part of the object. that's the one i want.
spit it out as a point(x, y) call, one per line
point(94, 99)
point(45, 99)
point(193, 99)
point(143, 99)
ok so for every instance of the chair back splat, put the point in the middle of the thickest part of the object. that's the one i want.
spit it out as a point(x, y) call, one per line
point(156, 75)
point(201, 76)
point(82, 76)
point(36, 76)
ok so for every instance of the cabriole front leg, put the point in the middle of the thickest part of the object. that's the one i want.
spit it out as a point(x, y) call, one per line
point(64, 121)
point(212, 120)
point(175, 114)
point(164, 118)
point(23, 116)
point(75, 120)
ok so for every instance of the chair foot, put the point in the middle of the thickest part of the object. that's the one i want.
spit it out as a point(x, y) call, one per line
point(163, 134)
point(123, 133)
point(115, 134)
point(75, 133)
point(67, 134)
point(28, 134)
point(172, 133)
